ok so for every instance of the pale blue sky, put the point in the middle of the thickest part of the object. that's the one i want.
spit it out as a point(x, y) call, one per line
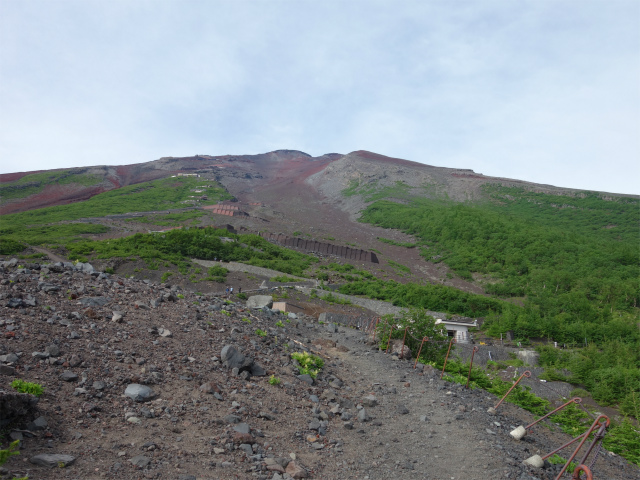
point(543, 91)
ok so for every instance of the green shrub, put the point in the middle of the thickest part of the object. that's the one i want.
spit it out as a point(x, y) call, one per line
point(283, 279)
point(10, 247)
point(331, 298)
point(273, 380)
point(27, 387)
point(242, 296)
point(419, 325)
point(624, 440)
point(308, 364)
point(579, 392)
point(8, 453)
point(261, 333)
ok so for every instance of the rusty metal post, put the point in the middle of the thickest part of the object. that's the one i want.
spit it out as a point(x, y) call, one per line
point(446, 358)
point(375, 328)
point(596, 423)
point(563, 446)
point(420, 350)
point(403, 339)
point(525, 374)
point(596, 439)
point(473, 352)
point(389, 341)
point(582, 469)
point(573, 400)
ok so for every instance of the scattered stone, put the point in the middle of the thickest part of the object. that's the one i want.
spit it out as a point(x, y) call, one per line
point(534, 461)
point(140, 461)
point(9, 358)
point(52, 460)
point(94, 301)
point(68, 376)
point(362, 415)
point(165, 333)
point(7, 370)
point(370, 401)
point(260, 301)
point(242, 428)
point(74, 361)
point(210, 388)
point(139, 393)
point(306, 378)
point(295, 470)
point(53, 350)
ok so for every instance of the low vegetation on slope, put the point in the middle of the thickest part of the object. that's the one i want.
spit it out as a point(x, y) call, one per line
point(36, 182)
point(51, 224)
point(571, 262)
point(205, 243)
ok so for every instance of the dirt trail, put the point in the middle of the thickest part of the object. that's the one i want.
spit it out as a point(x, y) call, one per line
point(399, 445)
point(54, 257)
point(425, 428)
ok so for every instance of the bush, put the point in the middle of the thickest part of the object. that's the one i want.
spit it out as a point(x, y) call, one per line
point(624, 439)
point(419, 325)
point(308, 364)
point(10, 247)
point(283, 279)
point(27, 387)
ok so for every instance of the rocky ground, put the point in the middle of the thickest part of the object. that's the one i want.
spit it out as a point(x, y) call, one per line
point(146, 380)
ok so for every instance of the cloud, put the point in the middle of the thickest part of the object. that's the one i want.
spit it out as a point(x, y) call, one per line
point(540, 91)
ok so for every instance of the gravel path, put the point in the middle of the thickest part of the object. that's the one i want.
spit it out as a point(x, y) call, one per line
point(243, 267)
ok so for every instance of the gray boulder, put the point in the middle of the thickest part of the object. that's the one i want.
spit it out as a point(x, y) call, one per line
point(94, 301)
point(260, 301)
point(9, 358)
point(140, 461)
point(139, 393)
point(233, 358)
point(68, 376)
point(52, 460)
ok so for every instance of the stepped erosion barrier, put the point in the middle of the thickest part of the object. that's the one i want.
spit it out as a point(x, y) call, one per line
point(320, 247)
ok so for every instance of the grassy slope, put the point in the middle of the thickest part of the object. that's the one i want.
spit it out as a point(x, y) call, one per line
point(574, 259)
point(50, 225)
point(36, 182)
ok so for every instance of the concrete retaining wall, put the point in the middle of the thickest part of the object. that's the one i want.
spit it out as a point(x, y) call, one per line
point(356, 254)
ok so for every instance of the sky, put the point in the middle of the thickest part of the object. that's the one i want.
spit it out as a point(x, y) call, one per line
point(546, 91)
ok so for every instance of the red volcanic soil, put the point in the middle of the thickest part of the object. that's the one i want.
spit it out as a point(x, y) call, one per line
point(386, 160)
point(53, 195)
point(12, 177)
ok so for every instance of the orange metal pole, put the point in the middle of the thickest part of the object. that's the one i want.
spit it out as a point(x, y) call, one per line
point(446, 358)
point(573, 400)
point(525, 374)
point(389, 341)
point(583, 469)
point(375, 328)
point(564, 446)
point(473, 352)
point(596, 423)
point(420, 350)
point(403, 339)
